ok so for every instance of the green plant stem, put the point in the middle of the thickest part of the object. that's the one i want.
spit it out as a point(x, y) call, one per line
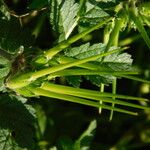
point(102, 86)
point(68, 65)
point(92, 93)
point(114, 85)
point(129, 40)
point(134, 16)
point(113, 40)
point(114, 33)
point(28, 78)
point(134, 78)
point(88, 65)
point(57, 89)
point(42, 92)
point(107, 31)
point(43, 59)
point(76, 72)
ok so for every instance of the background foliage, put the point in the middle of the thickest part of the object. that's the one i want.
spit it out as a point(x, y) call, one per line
point(27, 28)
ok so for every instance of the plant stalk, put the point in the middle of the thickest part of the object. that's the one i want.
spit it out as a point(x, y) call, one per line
point(72, 90)
point(43, 59)
point(42, 92)
point(56, 89)
point(26, 79)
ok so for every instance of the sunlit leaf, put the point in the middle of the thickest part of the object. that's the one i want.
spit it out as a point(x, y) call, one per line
point(63, 16)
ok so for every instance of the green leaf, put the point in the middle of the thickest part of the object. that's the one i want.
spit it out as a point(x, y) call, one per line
point(16, 123)
point(116, 62)
point(144, 9)
point(63, 16)
point(7, 142)
point(95, 12)
point(2, 84)
point(5, 66)
point(4, 11)
point(83, 143)
point(85, 50)
point(123, 60)
point(92, 15)
point(139, 25)
point(97, 80)
point(119, 62)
